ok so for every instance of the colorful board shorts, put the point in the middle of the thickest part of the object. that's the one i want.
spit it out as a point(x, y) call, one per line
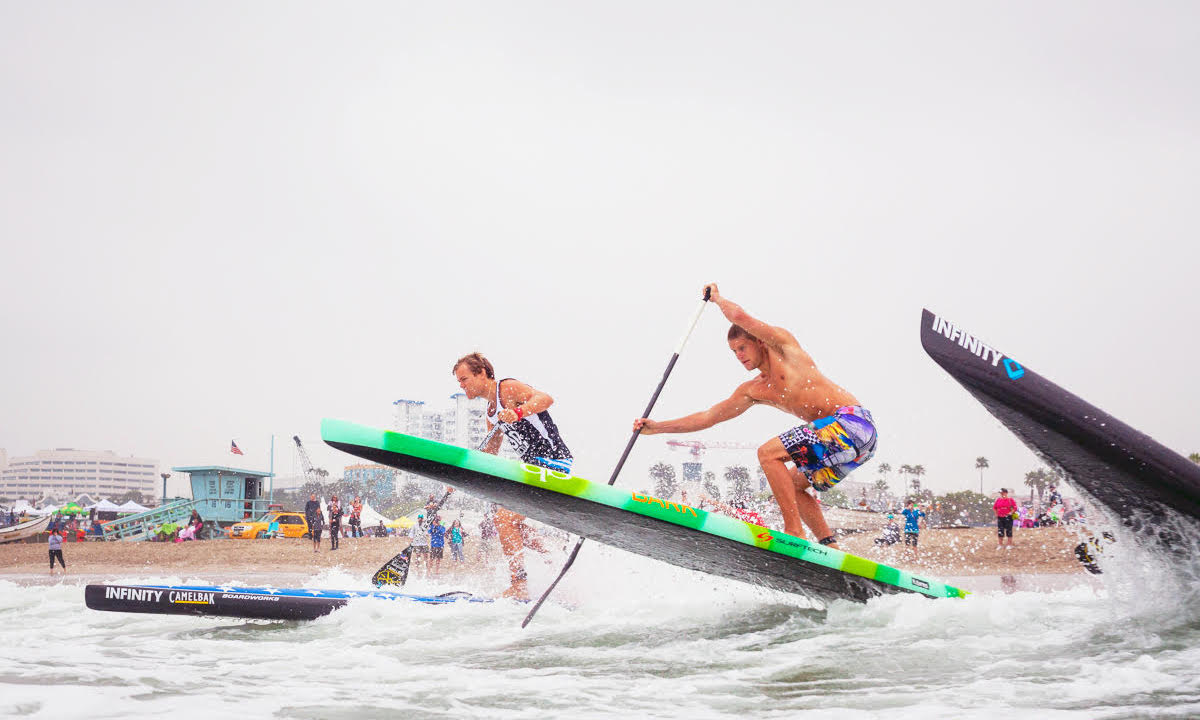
point(829, 448)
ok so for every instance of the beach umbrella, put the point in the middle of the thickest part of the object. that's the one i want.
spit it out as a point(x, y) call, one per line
point(71, 509)
point(400, 522)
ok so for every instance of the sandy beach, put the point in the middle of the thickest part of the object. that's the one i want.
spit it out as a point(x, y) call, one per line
point(958, 552)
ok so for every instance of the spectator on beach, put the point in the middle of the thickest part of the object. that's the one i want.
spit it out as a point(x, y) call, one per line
point(356, 518)
point(56, 551)
point(487, 534)
point(1055, 497)
point(891, 532)
point(437, 541)
point(912, 527)
point(317, 528)
point(456, 541)
point(420, 546)
point(1005, 507)
point(335, 522)
point(737, 510)
point(312, 515)
point(381, 531)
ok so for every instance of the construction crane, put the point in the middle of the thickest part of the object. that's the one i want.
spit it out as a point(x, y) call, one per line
point(311, 474)
point(697, 447)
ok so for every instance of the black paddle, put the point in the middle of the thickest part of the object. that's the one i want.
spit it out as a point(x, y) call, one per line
point(628, 447)
point(395, 571)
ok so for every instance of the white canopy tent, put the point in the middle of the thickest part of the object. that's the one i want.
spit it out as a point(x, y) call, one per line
point(105, 505)
point(132, 507)
point(371, 517)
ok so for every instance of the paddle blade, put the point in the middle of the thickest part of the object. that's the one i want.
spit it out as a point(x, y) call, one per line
point(394, 571)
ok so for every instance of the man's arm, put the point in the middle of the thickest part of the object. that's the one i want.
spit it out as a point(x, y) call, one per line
point(775, 336)
point(515, 394)
point(727, 409)
point(492, 445)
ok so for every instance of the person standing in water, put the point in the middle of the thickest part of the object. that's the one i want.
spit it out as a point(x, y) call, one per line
point(837, 437)
point(522, 414)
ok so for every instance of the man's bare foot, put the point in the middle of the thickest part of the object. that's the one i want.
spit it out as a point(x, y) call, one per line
point(519, 590)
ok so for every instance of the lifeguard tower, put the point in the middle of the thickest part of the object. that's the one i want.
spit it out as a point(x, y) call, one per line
point(222, 495)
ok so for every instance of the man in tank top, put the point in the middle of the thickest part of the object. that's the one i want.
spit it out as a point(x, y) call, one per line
point(838, 434)
point(522, 414)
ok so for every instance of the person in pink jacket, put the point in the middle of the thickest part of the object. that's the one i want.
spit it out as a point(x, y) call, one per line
point(1004, 507)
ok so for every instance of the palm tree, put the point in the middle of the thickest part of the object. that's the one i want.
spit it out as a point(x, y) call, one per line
point(881, 490)
point(981, 464)
point(738, 479)
point(1037, 480)
point(905, 470)
point(710, 485)
point(664, 479)
point(917, 471)
point(1194, 457)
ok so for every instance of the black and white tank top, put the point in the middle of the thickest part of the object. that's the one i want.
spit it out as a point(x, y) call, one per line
point(533, 436)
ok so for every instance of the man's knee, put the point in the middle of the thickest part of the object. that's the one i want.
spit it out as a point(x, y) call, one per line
point(773, 451)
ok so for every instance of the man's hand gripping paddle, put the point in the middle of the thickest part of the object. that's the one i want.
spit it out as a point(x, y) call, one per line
point(395, 571)
point(628, 447)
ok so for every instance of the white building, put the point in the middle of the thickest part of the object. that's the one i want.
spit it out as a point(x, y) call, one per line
point(65, 472)
point(462, 423)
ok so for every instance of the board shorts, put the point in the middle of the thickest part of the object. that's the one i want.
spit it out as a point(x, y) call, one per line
point(830, 448)
point(1004, 526)
point(435, 553)
point(562, 465)
point(910, 538)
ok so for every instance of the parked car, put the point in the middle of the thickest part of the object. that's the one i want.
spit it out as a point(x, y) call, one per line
point(291, 524)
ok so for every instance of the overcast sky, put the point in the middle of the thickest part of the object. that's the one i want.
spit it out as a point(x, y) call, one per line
point(229, 220)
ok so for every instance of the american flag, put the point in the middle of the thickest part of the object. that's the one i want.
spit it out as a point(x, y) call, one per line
point(233, 448)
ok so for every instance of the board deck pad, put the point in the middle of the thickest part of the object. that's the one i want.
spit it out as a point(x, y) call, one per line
point(1127, 471)
point(667, 531)
point(264, 603)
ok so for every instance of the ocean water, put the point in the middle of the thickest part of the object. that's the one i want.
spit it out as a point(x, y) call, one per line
point(629, 638)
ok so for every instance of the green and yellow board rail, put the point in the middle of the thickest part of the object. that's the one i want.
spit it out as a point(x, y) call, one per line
point(663, 530)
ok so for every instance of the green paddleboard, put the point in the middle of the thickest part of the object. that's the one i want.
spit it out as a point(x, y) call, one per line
point(668, 531)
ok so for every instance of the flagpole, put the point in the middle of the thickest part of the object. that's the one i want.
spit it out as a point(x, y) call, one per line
point(271, 493)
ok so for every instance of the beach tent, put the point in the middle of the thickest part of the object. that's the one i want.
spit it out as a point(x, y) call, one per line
point(71, 509)
point(400, 522)
point(106, 505)
point(23, 506)
point(132, 507)
point(370, 517)
point(43, 510)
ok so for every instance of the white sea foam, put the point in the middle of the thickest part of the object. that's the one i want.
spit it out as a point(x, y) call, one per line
point(628, 636)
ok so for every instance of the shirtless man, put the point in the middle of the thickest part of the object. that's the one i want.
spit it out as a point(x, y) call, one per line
point(838, 434)
point(522, 414)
